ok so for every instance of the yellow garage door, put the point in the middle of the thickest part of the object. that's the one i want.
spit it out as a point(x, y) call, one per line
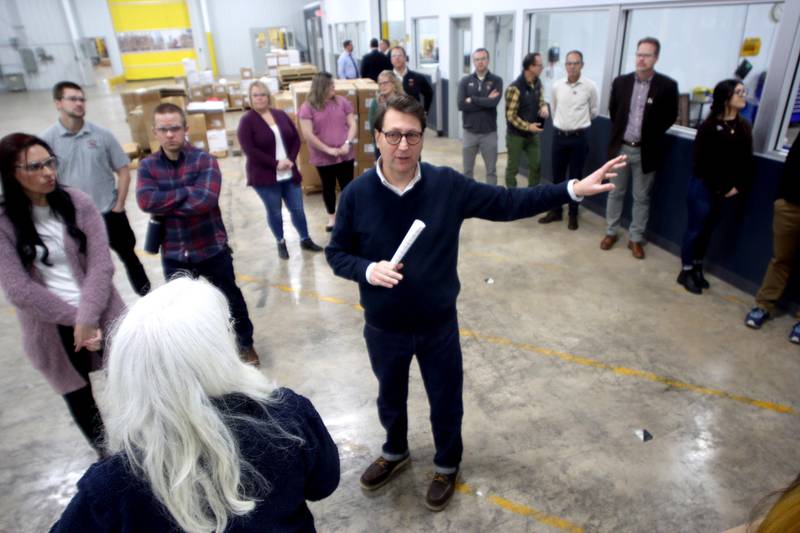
point(153, 36)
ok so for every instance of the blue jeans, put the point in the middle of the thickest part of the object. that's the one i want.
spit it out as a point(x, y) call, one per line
point(439, 356)
point(704, 210)
point(292, 194)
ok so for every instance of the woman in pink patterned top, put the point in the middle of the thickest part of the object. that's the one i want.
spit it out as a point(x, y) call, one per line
point(328, 123)
point(55, 268)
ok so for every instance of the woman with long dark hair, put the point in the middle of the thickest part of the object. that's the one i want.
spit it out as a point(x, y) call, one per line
point(200, 440)
point(328, 124)
point(723, 168)
point(55, 268)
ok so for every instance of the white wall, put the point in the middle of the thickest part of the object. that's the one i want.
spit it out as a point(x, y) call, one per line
point(94, 20)
point(43, 25)
point(231, 21)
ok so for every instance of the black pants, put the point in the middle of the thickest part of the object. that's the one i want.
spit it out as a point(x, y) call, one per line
point(219, 271)
point(439, 356)
point(329, 175)
point(569, 153)
point(81, 402)
point(123, 241)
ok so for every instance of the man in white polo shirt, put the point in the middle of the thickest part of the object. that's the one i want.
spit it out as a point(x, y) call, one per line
point(575, 104)
point(88, 158)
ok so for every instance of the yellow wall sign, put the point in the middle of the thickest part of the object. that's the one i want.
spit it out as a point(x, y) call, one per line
point(751, 47)
point(153, 36)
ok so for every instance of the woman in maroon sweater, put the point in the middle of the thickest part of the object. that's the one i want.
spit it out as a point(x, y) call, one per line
point(270, 141)
point(56, 270)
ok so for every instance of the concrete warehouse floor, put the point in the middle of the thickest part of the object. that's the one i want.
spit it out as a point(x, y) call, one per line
point(567, 354)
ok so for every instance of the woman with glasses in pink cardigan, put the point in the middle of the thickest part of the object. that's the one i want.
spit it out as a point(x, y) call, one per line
point(56, 270)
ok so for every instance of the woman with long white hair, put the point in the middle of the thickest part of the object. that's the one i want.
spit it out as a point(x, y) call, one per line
point(200, 440)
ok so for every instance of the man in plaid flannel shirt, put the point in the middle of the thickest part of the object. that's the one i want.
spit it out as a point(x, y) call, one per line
point(180, 185)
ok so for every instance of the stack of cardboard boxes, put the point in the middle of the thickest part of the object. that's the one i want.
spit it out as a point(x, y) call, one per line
point(139, 105)
point(206, 122)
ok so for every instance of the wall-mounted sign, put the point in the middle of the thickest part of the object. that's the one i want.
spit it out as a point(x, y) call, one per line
point(751, 47)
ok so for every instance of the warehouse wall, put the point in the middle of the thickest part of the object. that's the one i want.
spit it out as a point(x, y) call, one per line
point(94, 21)
point(25, 20)
point(231, 21)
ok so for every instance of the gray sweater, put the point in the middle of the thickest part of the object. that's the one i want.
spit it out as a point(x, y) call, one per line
point(480, 113)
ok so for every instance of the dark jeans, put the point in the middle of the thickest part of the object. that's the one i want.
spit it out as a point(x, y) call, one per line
point(439, 358)
point(81, 402)
point(704, 210)
point(122, 240)
point(291, 194)
point(329, 175)
point(569, 153)
point(219, 271)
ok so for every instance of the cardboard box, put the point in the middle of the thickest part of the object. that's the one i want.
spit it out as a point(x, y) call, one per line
point(220, 90)
point(365, 151)
point(246, 73)
point(217, 142)
point(131, 150)
point(155, 146)
point(207, 77)
point(138, 126)
point(283, 101)
point(179, 101)
point(233, 87)
point(215, 120)
point(193, 79)
point(196, 123)
point(208, 90)
point(300, 92)
point(236, 101)
point(130, 99)
point(311, 182)
point(196, 94)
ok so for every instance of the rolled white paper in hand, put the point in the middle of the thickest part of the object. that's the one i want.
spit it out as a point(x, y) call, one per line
point(413, 232)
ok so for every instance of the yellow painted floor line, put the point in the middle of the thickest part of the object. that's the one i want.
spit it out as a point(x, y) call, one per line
point(632, 372)
point(523, 510)
point(569, 358)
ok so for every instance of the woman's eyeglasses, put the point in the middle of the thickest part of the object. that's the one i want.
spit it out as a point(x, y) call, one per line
point(50, 163)
point(394, 137)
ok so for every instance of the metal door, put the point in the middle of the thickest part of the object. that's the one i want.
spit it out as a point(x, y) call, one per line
point(460, 66)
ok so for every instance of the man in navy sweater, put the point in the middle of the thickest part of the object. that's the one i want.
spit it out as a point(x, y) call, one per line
point(414, 312)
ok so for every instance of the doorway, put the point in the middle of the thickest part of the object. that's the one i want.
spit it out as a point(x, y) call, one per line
point(316, 49)
point(499, 41)
point(460, 66)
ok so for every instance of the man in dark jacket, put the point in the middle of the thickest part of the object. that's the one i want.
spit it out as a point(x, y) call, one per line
point(478, 96)
point(411, 310)
point(374, 62)
point(526, 111)
point(785, 244)
point(644, 104)
point(414, 83)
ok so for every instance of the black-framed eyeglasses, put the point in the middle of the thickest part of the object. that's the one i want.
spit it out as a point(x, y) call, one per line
point(80, 99)
point(38, 166)
point(168, 129)
point(394, 137)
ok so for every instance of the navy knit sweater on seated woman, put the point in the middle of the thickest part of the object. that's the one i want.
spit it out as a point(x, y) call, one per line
point(112, 498)
point(372, 220)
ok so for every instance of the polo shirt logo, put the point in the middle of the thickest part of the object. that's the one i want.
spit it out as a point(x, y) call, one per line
point(91, 143)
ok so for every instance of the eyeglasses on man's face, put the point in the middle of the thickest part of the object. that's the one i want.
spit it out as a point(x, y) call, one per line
point(168, 129)
point(394, 137)
point(38, 166)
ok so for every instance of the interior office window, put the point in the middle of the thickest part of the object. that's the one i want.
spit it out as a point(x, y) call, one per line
point(703, 45)
point(790, 126)
point(553, 34)
point(427, 41)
